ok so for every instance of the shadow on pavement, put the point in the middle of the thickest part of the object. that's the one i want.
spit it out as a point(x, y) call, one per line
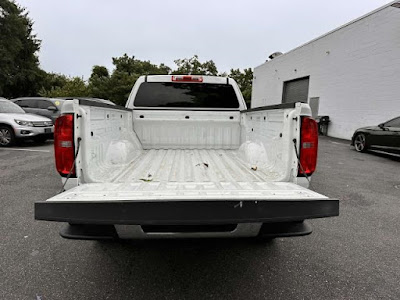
point(187, 268)
point(31, 143)
point(394, 157)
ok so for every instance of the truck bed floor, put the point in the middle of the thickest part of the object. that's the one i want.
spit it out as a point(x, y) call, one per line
point(189, 175)
point(211, 168)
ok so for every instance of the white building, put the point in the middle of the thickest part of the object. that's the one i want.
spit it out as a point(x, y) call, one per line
point(351, 73)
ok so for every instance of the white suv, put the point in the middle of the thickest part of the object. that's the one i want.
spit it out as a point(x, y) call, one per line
point(16, 124)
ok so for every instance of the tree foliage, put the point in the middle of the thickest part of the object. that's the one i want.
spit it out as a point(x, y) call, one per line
point(73, 87)
point(99, 82)
point(192, 66)
point(51, 81)
point(130, 65)
point(20, 74)
point(126, 71)
point(244, 80)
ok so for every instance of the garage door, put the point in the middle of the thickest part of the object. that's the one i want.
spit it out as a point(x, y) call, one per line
point(296, 90)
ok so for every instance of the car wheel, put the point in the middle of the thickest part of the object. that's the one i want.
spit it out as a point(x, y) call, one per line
point(40, 139)
point(360, 142)
point(7, 136)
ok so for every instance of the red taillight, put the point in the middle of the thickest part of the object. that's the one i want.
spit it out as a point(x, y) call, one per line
point(64, 149)
point(187, 78)
point(308, 146)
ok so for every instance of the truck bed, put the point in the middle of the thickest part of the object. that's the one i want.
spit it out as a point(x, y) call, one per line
point(164, 168)
point(208, 168)
point(190, 175)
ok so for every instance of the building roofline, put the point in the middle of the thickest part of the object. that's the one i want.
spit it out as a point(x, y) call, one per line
point(334, 30)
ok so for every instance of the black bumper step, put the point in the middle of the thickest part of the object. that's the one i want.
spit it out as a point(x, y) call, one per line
point(184, 212)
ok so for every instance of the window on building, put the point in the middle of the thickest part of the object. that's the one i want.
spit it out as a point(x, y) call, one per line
point(296, 90)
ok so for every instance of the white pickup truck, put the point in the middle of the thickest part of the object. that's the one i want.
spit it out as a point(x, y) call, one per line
point(185, 158)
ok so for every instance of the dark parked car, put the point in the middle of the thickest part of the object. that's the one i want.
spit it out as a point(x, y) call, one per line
point(50, 107)
point(47, 107)
point(384, 137)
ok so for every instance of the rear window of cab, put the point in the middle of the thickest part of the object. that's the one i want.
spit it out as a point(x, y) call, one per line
point(191, 95)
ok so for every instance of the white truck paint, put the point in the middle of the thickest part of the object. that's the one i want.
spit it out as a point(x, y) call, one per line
point(184, 157)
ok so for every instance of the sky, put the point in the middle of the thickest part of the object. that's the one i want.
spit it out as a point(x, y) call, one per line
point(78, 34)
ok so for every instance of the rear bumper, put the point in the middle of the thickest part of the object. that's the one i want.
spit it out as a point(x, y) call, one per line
point(48, 136)
point(184, 212)
point(113, 232)
point(28, 132)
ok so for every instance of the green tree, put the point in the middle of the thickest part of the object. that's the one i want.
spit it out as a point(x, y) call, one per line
point(163, 69)
point(20, 74)
point(74, 87)
point(99, 71)
point(51, 81)
point(130, 65)
point(99, 82)
point(192, 66)
point(127, 71)
point(244, 80)
point(121, 84)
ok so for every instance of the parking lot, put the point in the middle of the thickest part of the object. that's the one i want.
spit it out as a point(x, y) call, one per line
point(354, 256)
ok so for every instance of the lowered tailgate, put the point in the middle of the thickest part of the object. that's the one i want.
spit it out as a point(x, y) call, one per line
point(153, 203)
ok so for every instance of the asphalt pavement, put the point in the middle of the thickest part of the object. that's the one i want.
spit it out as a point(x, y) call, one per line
point(353, 256)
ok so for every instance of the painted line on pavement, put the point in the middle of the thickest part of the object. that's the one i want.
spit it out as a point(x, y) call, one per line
point(30, 150)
